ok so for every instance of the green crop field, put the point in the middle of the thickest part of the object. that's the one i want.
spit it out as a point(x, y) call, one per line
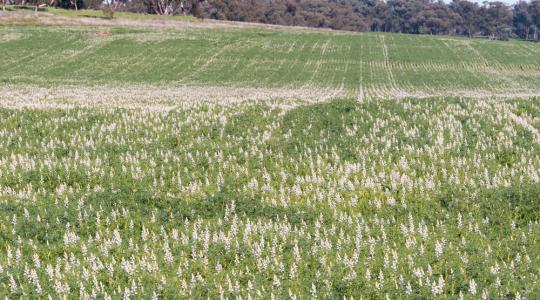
point(250, 163)
point(368, 64)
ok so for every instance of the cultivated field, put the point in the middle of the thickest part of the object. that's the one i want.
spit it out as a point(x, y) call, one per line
point(175, 163)
point(362, 66)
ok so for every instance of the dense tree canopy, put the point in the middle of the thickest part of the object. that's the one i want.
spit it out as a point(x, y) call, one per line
point(460, 17)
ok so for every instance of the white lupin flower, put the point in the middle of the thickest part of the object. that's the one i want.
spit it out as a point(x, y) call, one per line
point(313, 291)
point(472, 286)
point(12, 284)
point(408, 289)
point(438, 249)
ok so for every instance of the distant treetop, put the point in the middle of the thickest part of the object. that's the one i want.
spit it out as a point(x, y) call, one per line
point(496, 19)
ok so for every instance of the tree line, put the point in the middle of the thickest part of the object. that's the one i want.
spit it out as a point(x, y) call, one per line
point(459, 17)
point(493, 19)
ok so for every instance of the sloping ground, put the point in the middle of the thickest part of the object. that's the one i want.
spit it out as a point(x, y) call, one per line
point(206, 163)
point(60, 17)
point(362, 66)
point(415, 198)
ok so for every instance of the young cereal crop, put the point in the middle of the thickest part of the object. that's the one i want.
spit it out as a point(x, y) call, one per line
point(355, 65)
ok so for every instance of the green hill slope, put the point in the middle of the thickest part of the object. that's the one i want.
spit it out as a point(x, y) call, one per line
point(240, 164)
point(358, 63)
